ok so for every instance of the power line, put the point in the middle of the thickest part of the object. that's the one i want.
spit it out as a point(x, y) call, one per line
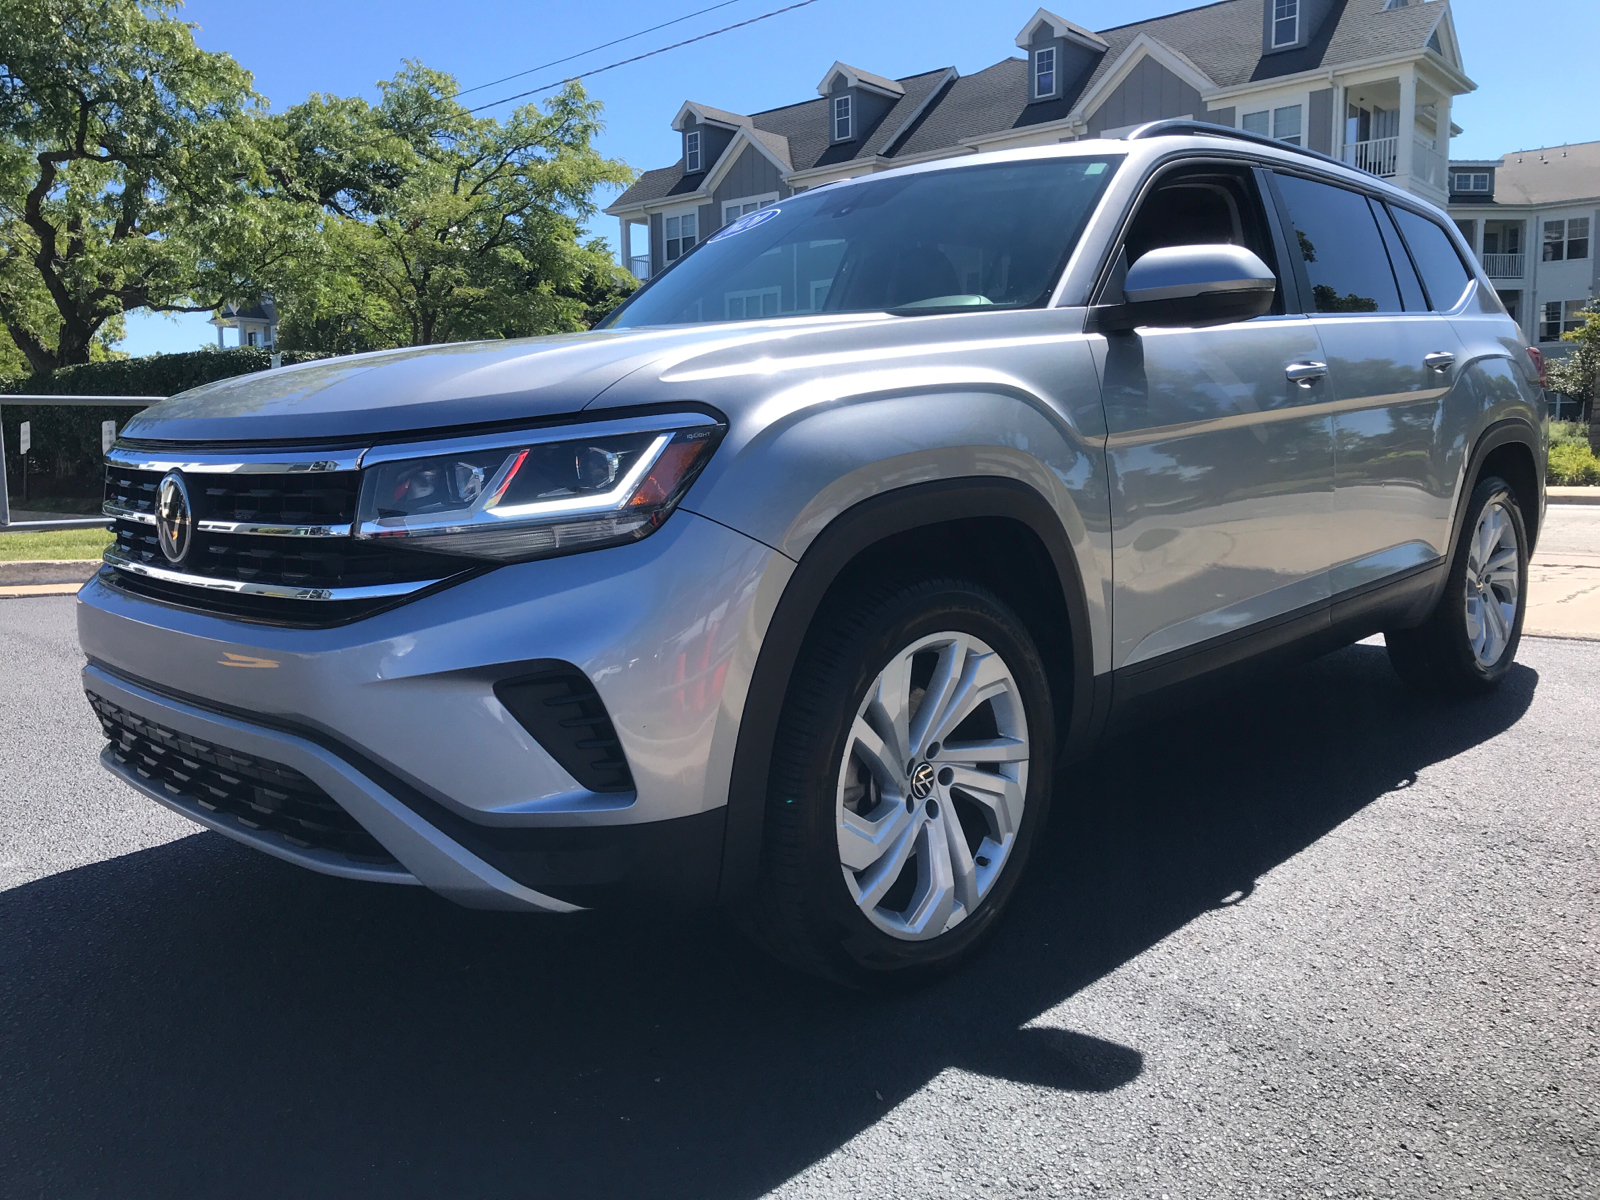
point(602, 46)
point(550, 87)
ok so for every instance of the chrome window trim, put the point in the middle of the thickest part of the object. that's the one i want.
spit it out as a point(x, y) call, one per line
point(232, 463)
point(261, 530)
point(653, 423)
point(277, 591)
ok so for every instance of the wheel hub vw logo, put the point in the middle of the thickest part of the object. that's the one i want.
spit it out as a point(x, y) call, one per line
point(174, 516)
point(922, 780)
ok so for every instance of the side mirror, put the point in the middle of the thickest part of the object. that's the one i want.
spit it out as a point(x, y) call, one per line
point(1189, 286)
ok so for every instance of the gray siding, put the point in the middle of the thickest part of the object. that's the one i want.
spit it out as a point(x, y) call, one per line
point(658, 245)
point(752, 175)
point(1149, 93)
point(707, 218)
point(1594, 256)
point(1222, 116)
point(713, 141)
point(1319, 121)
point(1073, 62)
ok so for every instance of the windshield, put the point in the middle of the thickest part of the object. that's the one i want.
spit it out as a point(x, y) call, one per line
point(993, 236)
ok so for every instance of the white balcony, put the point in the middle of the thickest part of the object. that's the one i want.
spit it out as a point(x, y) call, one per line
point(1427, 164)
point(639, 264)
point(1378, 156)
point(1503, 266)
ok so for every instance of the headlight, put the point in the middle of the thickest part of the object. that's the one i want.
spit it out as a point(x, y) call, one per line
point(527, 494)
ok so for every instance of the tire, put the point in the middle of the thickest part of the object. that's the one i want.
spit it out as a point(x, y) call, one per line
point(1467, 644)
point(876, 870)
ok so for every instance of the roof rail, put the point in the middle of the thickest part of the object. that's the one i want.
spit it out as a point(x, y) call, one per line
point(1176, 125)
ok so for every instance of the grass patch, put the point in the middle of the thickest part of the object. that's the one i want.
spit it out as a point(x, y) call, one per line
point(53, 544)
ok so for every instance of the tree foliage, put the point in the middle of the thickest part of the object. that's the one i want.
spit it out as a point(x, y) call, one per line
point(1577, 374)
point(441, 226)
point(132, 174)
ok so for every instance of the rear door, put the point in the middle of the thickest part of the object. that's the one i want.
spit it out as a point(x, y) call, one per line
point(1221, 464)
point(1391, 361)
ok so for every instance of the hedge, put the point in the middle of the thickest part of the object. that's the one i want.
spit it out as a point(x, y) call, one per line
point(65, 456)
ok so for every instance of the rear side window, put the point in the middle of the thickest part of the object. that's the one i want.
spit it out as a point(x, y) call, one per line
point(1436, 257)
point(1344, 254)
point(1410, 286)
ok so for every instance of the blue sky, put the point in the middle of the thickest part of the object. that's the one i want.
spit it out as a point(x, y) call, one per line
point(1535, 81)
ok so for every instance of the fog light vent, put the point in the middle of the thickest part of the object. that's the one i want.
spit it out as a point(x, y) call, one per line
point(561, 709)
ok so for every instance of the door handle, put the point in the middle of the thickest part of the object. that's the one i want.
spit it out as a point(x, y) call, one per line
point(1306, 374)
point(1440, 361)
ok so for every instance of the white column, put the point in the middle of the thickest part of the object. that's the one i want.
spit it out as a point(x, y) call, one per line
point(625, 243)
point(1408, 127)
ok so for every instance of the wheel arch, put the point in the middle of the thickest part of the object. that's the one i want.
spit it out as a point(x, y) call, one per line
point(1509, 448)
point(972, 521)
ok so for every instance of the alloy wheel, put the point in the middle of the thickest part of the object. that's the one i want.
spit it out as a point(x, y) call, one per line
point(932, 785)
point(1493, 584)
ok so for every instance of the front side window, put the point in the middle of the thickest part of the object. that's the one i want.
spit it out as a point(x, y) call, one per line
point(1443, 273)
point(691, 152)
point(1342, 247)
point(979, 237)
point(679, 234)
point(1285, 22)
point(841, 119)
point(1044, 72)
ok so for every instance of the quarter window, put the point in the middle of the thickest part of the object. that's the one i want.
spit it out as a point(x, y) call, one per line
point(679, 234)
point(1346, 263)
point(1443, 273)
point(1285, 22)
point(691, 152)
point(842, 120)
point(1044, 72)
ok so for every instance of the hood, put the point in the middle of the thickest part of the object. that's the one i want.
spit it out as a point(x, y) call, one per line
point(406, 391)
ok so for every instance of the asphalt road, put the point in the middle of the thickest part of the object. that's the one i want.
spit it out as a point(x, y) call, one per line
point(1318, 940)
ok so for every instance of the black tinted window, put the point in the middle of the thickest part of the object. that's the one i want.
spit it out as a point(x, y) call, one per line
point(1343, 250)
point(1436, 258)
point(1404, 271)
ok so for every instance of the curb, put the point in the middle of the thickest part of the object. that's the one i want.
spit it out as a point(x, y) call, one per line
point(1573, 495)
point(74, 571)
point(27, 590)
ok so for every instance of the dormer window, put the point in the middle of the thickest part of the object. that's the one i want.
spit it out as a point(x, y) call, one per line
point(1474, 181)
point(843, 120)
point(1285, 22)
point(1044, 72)
point(691, 152)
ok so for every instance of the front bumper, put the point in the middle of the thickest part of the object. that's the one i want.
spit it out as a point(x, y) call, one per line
point(396, 719)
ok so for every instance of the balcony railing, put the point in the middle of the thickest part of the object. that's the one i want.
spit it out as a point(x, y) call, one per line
point(639, 264)
point(1503, 266)
point(1427, 164)
point(1377, 156)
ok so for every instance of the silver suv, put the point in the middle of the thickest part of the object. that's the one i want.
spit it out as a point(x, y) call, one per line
point(792, 586)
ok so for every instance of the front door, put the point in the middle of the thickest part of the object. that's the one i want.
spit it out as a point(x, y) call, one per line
point(1391, 361)
point(1221, 465)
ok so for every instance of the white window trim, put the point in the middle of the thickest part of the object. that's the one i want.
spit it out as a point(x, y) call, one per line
point(692, 210)
point(849, 119)
point(766, 200)
point(1272, 105)
point(691, 152)
point(1040, 93)
point(1276, 44)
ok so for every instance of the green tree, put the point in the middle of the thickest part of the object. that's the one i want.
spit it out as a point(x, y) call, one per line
point(441, 226)
point(132, 174)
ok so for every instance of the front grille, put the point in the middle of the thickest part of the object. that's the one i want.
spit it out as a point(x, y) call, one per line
point(260, 795)
point(315, 570)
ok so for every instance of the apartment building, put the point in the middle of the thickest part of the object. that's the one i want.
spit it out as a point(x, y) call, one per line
point(1369, 81)
point(1531, 217)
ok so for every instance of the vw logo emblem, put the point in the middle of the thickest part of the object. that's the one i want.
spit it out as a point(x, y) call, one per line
point(174, 516)
point(922, 780)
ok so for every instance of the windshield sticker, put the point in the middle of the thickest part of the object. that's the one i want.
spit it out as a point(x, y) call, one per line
point(748, 221)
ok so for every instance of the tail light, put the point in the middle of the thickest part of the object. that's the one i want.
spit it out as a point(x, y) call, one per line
point(1538, 365)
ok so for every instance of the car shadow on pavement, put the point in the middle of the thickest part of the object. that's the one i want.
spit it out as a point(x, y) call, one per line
point(200, 1020)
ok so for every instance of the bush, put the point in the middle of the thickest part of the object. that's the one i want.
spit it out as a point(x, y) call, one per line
point(1573, 464)
point(1568, 433)
point(65, 458)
